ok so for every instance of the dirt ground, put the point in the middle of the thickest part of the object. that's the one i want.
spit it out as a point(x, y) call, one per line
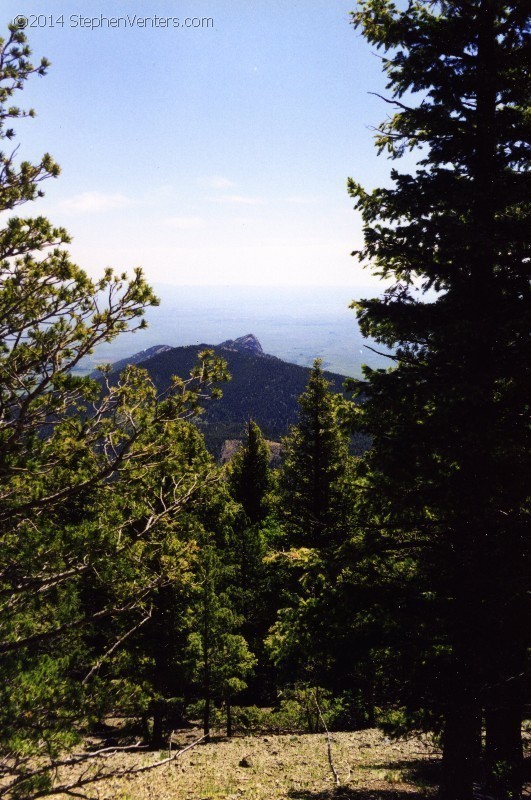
point(288, 767)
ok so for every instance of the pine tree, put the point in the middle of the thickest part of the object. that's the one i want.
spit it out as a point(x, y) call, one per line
point(249, 474)
point(315, 460)
point(152, 668)
point(218, 655)
point(89, 488)
point(251, 485)
point(447, 468)
point(315, 500)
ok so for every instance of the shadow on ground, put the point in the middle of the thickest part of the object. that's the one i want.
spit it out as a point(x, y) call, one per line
point(422, 774)
point(351, 793)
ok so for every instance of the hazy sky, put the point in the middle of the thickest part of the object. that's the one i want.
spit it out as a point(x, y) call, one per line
point(212, 155)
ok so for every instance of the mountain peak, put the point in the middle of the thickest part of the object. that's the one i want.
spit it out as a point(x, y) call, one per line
point(248, 343)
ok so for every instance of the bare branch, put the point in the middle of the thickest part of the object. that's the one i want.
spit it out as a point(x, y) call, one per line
point(391, 101)
point(114, 647)
point(105, 752)
point(329, 741)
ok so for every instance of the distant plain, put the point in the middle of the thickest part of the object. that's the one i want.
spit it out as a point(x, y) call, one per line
point(297, 324)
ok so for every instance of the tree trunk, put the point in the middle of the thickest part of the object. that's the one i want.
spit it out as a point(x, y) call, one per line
point(144, 724)
point(206, 717)
point(461, 746)
point(504, 756)
point(208, 700)
point(229, 718)
point(463, 680)
point(206, 668)
point(158, 719)
point(504, 751)
point(369, 692)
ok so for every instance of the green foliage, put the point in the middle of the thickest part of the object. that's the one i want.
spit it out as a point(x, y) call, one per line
point(314, 463)
point(250, 719)
point(444, 483)
point(195, 712)
point(218, 657)
point(249, 477)
point(137, 577)
point(98, 482)
point(296, 712)
point(317, 495)
point(151, 671)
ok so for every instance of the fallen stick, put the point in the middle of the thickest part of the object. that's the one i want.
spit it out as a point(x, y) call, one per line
point(74, 789)
point(330, 760)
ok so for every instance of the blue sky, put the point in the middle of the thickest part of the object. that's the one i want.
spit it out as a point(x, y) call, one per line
point(213, 155)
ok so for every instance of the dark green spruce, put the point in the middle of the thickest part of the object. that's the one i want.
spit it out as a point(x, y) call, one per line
point(447, 477)
point(315, 456)
point(249, 475)
point(315, 504)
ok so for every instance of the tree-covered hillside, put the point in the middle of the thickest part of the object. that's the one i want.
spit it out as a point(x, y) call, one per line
point(262, 387)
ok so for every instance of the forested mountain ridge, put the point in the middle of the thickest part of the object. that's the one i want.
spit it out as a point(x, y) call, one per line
point(136, 358)
point(262, 387)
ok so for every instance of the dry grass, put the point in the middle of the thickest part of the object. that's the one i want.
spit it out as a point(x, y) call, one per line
point(285, 767)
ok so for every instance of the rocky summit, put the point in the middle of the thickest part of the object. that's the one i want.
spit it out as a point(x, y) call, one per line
point(247, 344)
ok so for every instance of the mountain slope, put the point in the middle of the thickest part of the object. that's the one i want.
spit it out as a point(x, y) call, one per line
point(263, 388)
point(136, 358)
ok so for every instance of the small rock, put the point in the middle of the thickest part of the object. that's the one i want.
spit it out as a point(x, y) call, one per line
point(245, 762)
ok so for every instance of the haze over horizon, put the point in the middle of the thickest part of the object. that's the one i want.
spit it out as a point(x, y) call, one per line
point(295, 323)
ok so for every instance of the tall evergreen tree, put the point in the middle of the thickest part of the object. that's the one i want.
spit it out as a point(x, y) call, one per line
point(153, 669)
point(249, 474)
point(448, 467)
point(218, 655)
point(251, 484)
point(315, 460)
point(315, 500)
